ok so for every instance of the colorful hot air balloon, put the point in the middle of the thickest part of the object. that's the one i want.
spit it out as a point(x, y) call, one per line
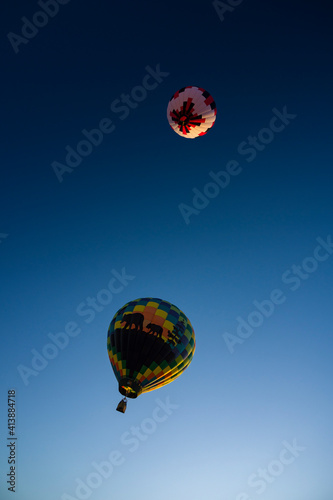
point(150, 343)
point(191, 112)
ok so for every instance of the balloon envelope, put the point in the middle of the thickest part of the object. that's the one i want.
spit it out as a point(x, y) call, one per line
point(150, 343)
point(191, 112)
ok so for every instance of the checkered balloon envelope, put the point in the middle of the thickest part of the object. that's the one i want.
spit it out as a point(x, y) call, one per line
point(150, 343)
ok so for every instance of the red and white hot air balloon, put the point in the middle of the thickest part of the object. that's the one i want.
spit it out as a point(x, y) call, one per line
point(191, 112)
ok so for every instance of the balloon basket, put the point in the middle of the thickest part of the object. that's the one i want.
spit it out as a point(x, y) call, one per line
point(122, 405)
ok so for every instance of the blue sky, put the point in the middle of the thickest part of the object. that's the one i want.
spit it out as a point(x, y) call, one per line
point(251, 417)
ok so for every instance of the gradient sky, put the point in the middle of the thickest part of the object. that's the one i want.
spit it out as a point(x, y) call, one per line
point(250, 392)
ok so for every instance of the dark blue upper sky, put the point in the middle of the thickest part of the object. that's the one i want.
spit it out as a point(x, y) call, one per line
point(250, 264)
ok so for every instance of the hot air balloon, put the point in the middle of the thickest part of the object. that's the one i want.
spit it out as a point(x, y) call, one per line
point(191, 112)
point(150, 343)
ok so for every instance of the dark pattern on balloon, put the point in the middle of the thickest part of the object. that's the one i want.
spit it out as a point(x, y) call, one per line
point(135, 319)
point(155, 329)
point(186, 118)
point(177, 332)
